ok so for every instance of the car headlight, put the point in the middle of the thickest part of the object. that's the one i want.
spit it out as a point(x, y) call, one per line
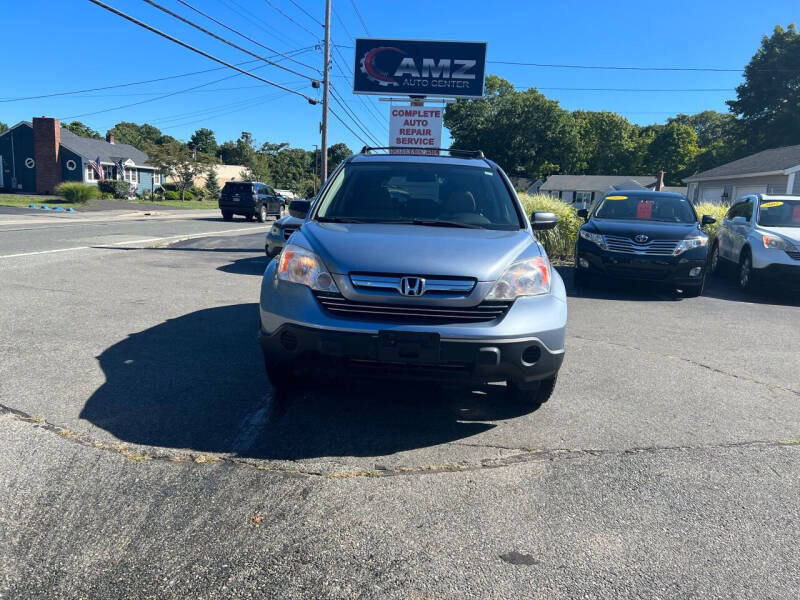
point(302, 266)
point(774, 243)
point(593, 237)
point(690, 244)
point(529, 277)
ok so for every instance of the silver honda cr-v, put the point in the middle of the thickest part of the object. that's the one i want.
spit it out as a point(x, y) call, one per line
point(416, 266)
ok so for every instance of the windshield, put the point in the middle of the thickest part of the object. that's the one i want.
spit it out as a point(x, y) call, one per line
point(235, 187)
point(646, 207)
point(421, 194)
point(779, 213)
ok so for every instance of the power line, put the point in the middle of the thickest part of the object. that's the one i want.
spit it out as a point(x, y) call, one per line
point(338, 118)
point(344, 27)
point(274, 31)
point(248, 38)
point(380, 118)
point(360, 18)
point(223, 40)
point(578, 89)
point(300, 25)
point(358, 123)
point(308, 14)
point(611, 68)
point(309, 99)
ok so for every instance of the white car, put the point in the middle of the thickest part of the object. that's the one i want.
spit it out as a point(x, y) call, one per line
point(760, 234)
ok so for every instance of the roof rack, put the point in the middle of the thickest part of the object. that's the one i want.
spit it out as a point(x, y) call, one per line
point(452, 151)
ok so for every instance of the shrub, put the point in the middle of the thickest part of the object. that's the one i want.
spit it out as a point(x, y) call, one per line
point(80, 193)
point(715, 210)
point(118, 188)
point(560, 241)
point(171, 195)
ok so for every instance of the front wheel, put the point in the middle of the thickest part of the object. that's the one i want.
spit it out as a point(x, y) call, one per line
point(281, 377)
point(713, 260)
point(746, 273)
point(261, 215)
point(227, 215)
point(692, 291)
point(534, 397)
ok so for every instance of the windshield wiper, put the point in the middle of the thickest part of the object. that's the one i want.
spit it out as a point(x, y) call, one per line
point(340, 220)
point(437, 223)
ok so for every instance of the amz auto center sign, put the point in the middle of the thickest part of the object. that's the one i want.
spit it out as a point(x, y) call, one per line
point(419, 68)
point(415, 127)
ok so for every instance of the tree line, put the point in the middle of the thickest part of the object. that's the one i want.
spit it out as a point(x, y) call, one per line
point(531, 135)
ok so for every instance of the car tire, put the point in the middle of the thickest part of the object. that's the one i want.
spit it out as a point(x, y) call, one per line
point(227, 215)
point(581, 278)
point(280, 376)
point(746, 276)
point(533, 397)
point(714, 260)
point(261, 215)
point(693, 291)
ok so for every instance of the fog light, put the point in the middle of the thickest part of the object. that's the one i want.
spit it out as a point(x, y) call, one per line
point(582, 262)
point(531, 354)
point(695, 271)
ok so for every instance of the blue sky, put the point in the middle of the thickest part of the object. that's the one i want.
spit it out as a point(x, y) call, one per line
point(88, 47)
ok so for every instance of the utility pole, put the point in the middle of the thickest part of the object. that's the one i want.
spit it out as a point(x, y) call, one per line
point(326, 82)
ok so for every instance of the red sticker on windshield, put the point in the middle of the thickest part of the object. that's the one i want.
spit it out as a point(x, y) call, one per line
point(796, 213)
point(644, 210)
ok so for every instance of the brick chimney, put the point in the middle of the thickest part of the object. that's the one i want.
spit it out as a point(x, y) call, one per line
point(110, 138)
point(46, 153)
point(660, 181)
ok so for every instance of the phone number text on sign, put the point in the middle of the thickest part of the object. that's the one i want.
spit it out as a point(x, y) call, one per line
point(415, 128)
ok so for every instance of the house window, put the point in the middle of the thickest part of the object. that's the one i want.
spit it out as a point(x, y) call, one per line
point(90, 174)
point(157, 178)
point(109, 172)
point(71, 166)
point(132, 175)
point(582, 197)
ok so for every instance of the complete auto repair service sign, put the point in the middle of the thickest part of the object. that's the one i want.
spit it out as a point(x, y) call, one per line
point(415, 127)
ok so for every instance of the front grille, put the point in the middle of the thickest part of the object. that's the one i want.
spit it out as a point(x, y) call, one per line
point(412, 313)
point(651, 248)
point(794, 253)
point(443, 286)
point(288, 231)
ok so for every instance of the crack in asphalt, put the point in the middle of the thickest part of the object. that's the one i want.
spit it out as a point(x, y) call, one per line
point(523, 455)
point(773, 386)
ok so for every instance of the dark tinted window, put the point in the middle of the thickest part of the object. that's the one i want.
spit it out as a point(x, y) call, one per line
point(646, 207)
point(237, 187)
point(741, 209)
point(405, 192)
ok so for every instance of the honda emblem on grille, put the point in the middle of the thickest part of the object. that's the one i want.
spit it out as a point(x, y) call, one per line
point(412, 286)
point(641, 238)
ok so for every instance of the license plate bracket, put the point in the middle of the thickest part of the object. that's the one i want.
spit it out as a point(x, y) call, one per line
point(409, 346)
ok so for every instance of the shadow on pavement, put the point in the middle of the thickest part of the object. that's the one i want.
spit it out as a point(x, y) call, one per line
point(617, 289)
point(197, 382)
point(723, 287)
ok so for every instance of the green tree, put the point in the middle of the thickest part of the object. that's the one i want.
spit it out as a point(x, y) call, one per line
point(674, 150)
point(82, 130)
point(607, 143)
point(212, 184)
point(718, 135)
point(139, 136)
point(3, 127)
point(522, 131)
point(336, 154)
point(203, 140)
point(768, 102)
point(180, 163)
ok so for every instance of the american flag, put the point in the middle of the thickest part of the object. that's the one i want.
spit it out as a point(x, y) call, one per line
point(95, 164)
point(121, 169)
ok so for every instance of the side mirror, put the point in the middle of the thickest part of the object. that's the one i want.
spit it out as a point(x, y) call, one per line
point(739, 221)
point(583, 214)
point(707, 220)
point(543, 220)
point(299, 208)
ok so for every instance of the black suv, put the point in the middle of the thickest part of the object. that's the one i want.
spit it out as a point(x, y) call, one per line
point(249, 199)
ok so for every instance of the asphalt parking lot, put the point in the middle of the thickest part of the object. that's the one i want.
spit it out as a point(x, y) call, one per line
point(143, 455)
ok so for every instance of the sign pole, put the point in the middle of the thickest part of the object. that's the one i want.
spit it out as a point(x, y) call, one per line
point(325, 89)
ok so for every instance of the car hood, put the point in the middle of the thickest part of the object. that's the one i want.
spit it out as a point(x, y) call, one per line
point(415, 249)
point(289, 220)
point(655, 230)
point(789, 233)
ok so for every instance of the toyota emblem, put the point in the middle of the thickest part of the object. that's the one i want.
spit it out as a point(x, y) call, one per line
point(641, 238)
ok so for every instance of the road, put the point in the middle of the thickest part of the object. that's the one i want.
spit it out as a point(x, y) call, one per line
point(143, 455)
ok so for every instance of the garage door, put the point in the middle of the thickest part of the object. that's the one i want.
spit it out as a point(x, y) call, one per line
point(713, 195)
point(739, 192)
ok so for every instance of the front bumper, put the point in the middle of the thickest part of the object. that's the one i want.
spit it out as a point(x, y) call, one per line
point(297, 331)
point(274, 243)
point(672, 270)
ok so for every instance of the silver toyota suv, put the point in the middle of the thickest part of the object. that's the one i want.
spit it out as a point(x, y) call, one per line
point(416, 266)
point(761, 235)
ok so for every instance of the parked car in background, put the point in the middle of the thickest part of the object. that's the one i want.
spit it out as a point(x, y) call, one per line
point(280, 233)
point(643, 235)
point(417, 267)
point(760, 235)
point(250, 199)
